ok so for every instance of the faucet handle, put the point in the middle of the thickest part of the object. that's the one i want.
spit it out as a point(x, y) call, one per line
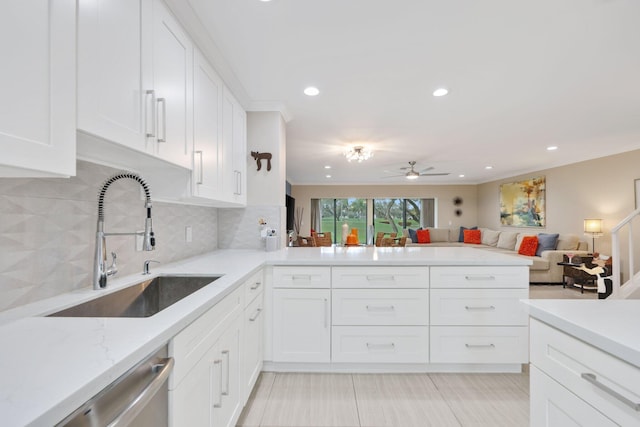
point(113, 269)
point(145, 267)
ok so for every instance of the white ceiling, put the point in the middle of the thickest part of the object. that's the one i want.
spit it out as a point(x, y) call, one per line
point(522, 75)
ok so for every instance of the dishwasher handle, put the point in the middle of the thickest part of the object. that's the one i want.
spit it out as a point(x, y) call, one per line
point(162, 370)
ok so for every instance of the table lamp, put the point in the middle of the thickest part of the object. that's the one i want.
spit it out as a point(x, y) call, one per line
point(593, 228)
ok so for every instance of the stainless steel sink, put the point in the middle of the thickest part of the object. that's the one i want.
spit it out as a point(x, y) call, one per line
point(140, 300)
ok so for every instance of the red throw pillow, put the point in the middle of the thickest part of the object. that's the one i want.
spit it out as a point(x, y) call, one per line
point(472, 236)
point(528, 246)
point(423, 236)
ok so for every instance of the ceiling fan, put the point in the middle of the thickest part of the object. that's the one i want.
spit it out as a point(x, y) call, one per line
point(413, 174)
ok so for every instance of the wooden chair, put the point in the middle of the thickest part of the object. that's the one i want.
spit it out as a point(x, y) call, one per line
point(322, 239)
point(382, 240)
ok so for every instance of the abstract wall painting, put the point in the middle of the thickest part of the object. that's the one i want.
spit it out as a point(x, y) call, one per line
point(522, 203)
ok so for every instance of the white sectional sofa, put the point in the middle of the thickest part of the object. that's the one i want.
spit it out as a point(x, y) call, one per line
point(545, 268)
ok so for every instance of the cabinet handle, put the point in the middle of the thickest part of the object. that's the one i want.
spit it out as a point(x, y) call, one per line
point(218, 402)
point(256, 286)
point(151, 134)
point(326, 313)
point(479, 345)
point(490, 307)
point(238, 180)
point(380, 308)
point(225, 353)
point(379, 277)
point(162, 101)
point(200, 173)
point(390, 346)
point(301, 277)
point(255, 316)
point(593, 380)
point(480, 277)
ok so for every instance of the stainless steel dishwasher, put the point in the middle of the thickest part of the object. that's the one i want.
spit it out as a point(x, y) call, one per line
point(139, 398)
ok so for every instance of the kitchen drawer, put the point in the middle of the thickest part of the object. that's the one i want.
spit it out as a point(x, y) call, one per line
point(253, 287)
point(479, 344)
point(370, 344)
point(480, 277)
point(478, 307)
point(554, 406)
point(380, 277)
point(566, 359)
point(190, 344)
point(380, 307)
point(301, 277)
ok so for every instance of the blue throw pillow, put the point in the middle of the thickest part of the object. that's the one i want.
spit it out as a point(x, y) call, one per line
point(461, 236)
point(546, 242)
point(413, 235)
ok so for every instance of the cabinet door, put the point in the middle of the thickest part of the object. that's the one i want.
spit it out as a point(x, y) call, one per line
point(207, 115)
point(233, 151)
point(228, 411)
point(114, 70)
point(301, 325)
point(253, 345)
point(172, 75)
point(552, 405)
point(38, 86)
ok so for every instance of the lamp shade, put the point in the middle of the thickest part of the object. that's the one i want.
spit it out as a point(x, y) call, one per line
point(593, 226)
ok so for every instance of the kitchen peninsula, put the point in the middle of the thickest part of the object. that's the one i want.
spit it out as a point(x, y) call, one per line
point(414, 309)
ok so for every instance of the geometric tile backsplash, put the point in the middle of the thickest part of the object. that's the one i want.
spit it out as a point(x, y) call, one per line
point(48, 225)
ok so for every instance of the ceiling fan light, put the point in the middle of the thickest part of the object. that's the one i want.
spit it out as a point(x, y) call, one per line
point(413, 175)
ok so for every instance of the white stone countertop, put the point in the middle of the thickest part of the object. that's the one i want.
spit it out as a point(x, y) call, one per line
point(49, 366)
point(609, 325)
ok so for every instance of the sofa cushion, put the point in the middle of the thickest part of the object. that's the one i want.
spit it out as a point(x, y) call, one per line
point(472, 236)
point(539, 264)
point(528, 246)
point(567, 242)
point(461, 235)
point(412, 235)
point(507, 240)
point(546, 242)
point(423, 236)
point(439, 234)
point(489, 237)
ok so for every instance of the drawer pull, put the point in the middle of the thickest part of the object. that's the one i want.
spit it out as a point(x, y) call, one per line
point(480, 277)
point(306, 277)
point(380, 308)
point(255, 286)
point(593, 380)
point(218, 401)
point(255, 316)
point(380, 277)
point(480, 345)
point(489, 307)
point(390, 346)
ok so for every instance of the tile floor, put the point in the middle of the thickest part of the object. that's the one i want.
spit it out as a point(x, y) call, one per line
point(395, 400)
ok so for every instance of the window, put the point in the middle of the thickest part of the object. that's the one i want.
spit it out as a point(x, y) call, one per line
point(335, 212)
point(393, 215)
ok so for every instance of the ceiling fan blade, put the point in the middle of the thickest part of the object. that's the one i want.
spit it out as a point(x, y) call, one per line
point(426, 169)
point(394, 176)
point(435, 174)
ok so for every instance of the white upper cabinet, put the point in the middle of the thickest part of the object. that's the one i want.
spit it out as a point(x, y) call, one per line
point(38, 87)
point(114, 70)
point(207, 129)
point(233, 163)
point(134, 79)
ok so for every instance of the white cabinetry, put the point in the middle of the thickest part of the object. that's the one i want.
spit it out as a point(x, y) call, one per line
point(207, 128)
point(574, 383)
point(134, 80)
point(380, 314)
point(253, 353)
point(301, 314)
point(233, 153)
point(476, 316)
point(38, 86)
point(205, 388)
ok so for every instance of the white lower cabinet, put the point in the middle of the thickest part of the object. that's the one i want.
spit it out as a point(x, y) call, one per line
point(575, 383)
point(301, 325)
point(479, 344)
point(253, 350)
point(380, 344)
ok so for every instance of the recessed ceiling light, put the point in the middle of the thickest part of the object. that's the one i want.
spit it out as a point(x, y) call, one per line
point(327, 167)
point(440, 92)
point(461, 176)
point(327, 176)
point(311, 91)
point(488, 167)
point(552, 148)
